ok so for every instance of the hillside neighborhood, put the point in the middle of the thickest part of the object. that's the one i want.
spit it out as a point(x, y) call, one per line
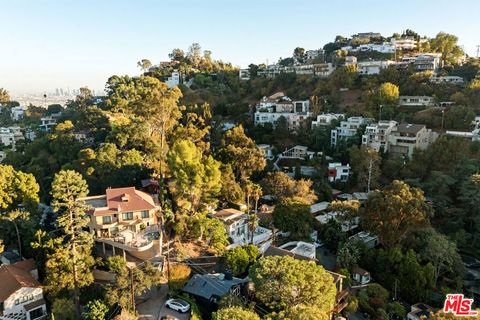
point(342, 182)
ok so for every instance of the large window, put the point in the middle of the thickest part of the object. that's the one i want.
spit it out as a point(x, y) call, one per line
point(36, 313)
point(107, 219)
point(127, 216)
point(145, 214)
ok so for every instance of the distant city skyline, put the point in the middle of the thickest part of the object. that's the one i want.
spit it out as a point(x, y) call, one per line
point(54, 44)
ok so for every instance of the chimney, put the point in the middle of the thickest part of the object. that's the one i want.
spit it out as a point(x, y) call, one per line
point(125, 197)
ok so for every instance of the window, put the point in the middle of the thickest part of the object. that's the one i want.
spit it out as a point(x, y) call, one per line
point(107, 219)
point(127, 216)
point(145, 214)
point(36, 313)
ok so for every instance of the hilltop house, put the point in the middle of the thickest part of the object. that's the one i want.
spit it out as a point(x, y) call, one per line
point(21, 295)
point(271, 109)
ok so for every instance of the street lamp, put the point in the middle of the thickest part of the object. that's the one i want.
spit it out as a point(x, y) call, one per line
point(18, 235)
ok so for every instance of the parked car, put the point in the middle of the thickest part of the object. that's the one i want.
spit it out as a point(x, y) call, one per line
point(178, 305)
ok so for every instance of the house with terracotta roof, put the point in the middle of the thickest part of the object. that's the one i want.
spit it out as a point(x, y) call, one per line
point(126, 219)
point(21, 295)
point(121, 209)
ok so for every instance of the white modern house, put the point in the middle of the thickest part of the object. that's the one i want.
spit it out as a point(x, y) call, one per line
point(313, 54)
point(17, 113)
point(370, 240)
point(325, 119)
point(338, 172)
point(427, 62)
point(10, 136)
point(49, 122)
point(408, 43)
point(21, 295)
point(244, 74)
point(301, 248)
point(347, 129)
point(416, 101)
point(376, 134)
point(236, 226)
point(173, 80)
point(447, 79)
point(373, 66)
point(385, 47)
point(271, 109)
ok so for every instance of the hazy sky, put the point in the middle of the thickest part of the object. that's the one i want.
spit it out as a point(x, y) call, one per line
point(48, 44)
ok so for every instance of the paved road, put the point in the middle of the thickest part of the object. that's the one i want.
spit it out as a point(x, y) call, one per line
point(153, 306)
point(150, 308)
point(326, 258)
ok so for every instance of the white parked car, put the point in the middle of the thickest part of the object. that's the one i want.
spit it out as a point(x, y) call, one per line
point(178, 305)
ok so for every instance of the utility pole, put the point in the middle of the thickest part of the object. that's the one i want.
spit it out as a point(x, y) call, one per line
point(380, 116)
point(478, 51)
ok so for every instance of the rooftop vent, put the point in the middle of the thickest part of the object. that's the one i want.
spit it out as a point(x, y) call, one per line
point(125, 197)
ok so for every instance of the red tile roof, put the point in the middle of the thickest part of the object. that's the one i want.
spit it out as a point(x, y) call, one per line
point(122, 200)
point(13, 278)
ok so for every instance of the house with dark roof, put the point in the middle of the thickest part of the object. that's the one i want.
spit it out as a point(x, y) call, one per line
point(407, 137)
point(21, 295)
point(420, 311)
point(210, 288)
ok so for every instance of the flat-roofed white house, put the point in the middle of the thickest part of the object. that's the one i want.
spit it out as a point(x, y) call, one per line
point(325, 119)
point(403, 141)
point(244, 74)
point(376, 135)
point(416, 101)
point(373, 66)
point(347, 129)
point(338, 172)
point(21, 295)
point(447, 79)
